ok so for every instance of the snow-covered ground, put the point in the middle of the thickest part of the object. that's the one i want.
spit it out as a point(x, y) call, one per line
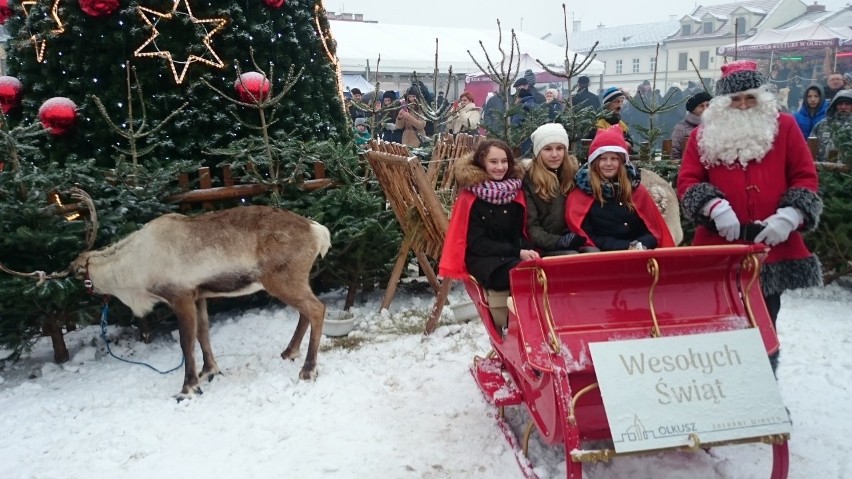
point(395, 406)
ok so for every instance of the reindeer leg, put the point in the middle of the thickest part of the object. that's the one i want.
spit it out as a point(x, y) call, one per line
point(210, 368)
point(311, 311)
point(292, 349)
point(184, 308)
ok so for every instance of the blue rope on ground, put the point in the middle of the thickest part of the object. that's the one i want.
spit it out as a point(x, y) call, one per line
point(104, 314)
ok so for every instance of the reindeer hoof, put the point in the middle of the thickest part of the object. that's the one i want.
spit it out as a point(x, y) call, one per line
point(290, 354)
point(188, 393)
point(208, 376)
point(308, 374)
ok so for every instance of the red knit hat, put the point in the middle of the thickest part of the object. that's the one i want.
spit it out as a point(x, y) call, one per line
point(609, 140)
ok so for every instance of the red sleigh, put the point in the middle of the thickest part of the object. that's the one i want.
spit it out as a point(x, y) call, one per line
point(558, 305)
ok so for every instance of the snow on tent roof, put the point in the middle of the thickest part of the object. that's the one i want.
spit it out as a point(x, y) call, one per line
point(357, 81)
point(407, 48)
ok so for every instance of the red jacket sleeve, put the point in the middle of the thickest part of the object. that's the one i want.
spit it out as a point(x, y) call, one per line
point(452, 263)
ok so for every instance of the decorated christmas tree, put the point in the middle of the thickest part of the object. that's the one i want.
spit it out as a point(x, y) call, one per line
point(74, 49)
point(118, 98)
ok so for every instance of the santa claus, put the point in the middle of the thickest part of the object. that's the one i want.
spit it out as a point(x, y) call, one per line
point(748, 176)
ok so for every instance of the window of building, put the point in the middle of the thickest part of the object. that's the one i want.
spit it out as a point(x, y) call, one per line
point(682, 61)
point(635, 65)
point(708, 27)
point(653, 63)
point(618, 67)
point(686, 29)
point(741, 25)
point(704, 60)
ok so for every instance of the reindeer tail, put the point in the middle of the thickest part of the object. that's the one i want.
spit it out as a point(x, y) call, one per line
point(322, 237)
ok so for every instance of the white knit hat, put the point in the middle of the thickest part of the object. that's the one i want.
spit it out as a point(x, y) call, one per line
point(547, 134)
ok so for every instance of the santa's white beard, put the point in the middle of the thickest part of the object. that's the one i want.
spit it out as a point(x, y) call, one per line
point(731, 135)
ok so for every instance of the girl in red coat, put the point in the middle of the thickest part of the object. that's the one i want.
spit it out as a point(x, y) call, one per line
point(609, 206)
point(485, 237)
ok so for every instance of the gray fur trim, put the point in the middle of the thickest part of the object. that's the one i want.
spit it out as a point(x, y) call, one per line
point(806, 201)
point(778, 277)
point(740, 81)
point(694, 200)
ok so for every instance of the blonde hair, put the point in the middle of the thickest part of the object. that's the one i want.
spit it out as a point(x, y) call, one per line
point(545, 184)
point(554, 91)
point(596, 180)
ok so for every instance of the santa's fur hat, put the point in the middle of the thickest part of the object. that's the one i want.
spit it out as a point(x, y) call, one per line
point(739, 76)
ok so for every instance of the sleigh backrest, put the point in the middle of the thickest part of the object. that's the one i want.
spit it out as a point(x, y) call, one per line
point(570, 301)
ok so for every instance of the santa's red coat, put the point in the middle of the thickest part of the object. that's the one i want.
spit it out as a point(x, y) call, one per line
point(755, 191)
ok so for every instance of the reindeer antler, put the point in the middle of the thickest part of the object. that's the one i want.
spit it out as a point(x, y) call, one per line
point(91, 234)
point(92, 221)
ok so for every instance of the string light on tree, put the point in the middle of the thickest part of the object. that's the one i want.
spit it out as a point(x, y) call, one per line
point(217, 25)
point(40, 40)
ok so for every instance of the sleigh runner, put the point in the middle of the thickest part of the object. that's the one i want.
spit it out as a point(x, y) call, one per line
point(558, 306)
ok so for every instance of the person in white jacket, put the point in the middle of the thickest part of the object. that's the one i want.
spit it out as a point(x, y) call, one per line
point(466, 116)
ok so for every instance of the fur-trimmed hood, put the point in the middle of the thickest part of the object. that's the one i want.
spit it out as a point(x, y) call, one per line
point(467, 173)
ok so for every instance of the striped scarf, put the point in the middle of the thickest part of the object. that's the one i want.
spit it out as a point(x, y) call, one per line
point(497, 192)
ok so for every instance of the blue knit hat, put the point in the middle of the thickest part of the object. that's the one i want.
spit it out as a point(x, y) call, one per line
point(611, 94)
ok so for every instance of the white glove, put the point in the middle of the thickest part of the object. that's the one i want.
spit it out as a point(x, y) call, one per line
point(390, 126)
point(779, 226)
point(727, 224)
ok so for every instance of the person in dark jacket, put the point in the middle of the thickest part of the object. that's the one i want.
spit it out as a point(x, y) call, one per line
point(548, 181)
point(485, 237)
point(609, 206)
point(584, 98)
point(694, 108)
point(837, 123)
point(386, 118)
point(812, 111)
point(357, 109)
point(613, 103)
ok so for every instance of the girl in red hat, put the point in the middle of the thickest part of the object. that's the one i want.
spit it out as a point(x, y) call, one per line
point(609, 206)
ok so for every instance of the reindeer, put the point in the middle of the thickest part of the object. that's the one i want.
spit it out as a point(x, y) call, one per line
point(182, 261)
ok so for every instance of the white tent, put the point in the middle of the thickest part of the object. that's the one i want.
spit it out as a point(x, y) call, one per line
point(407, 48)
point(357, 81)
point(804, 35)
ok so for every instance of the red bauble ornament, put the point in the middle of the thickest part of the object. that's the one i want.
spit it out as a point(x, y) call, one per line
point(58, 115)
point(274, 3)
point(5, 11)
point(252, 87)
point(11, 92)
point(98, 8)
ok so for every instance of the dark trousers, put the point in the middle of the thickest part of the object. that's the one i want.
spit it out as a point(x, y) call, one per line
point(773, 304)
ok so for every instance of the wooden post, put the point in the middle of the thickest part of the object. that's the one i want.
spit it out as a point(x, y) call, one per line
point(183, 181)
point(205, 182)
point(667, 149)
point(227, 176)
point(813, 145)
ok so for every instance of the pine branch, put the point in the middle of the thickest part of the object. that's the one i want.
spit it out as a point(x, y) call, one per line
point(130, 134)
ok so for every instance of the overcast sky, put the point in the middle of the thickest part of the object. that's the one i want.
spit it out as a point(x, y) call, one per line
point(536, 17)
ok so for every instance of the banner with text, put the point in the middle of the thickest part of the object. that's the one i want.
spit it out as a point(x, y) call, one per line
point(718, 386)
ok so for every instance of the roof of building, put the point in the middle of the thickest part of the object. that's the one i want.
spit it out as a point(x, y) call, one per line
point(405, 48)
point(723, 13)
point(622, 37)
point(839, 18)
